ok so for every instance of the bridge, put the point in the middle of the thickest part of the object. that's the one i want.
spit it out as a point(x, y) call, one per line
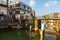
point(47, 31)
point(57, 22)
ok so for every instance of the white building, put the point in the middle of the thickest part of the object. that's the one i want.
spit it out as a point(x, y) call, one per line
point(3, 13)
point(4, 7)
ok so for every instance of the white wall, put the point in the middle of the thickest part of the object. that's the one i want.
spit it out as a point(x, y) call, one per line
point(3, 2)
point(3, 9)
point(17, 16)
point(59, 15)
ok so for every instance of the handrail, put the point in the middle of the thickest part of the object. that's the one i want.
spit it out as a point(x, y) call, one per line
point(50, 19)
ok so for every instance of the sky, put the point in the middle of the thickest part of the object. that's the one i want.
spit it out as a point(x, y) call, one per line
point(43, 7)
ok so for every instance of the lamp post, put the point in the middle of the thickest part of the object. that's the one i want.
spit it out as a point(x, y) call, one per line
point(57, 25)
point(36, 25)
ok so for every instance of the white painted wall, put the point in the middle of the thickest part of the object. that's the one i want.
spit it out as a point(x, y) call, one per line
point(17, 16)
point(3, 2)
point(59, 15)
point(3, 9)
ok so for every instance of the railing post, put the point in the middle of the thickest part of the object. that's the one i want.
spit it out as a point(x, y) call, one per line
point(57, 26)
point(36, 25)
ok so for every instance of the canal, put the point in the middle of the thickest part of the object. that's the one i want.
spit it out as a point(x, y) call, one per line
point(24, 35)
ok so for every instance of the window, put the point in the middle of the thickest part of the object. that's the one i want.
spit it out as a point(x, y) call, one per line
point(21, 12)
point(10, 6)
point(0, 9)
point(17, 16)
point(26, 13)
point(1, 18)
point(29, 9)
point(29, 14)
point(26, 8)
point(13, 6)
point(3, 2)
point(22, 6)
point(13, 12)
point(4, 10)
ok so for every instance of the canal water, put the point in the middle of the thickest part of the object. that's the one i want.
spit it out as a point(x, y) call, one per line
point(23, 35)
point(49, 37)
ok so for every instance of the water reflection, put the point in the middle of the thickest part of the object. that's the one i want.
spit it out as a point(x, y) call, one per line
point(51, 37)
point(58, 37)
point(51, 34)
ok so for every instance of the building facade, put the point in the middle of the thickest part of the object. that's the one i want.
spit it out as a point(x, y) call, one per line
point(22, 12)
point(33, 13)
point(20, 9)
point(3, 13)
point(4, 7)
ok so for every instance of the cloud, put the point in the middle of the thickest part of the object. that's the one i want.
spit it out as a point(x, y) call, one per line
point(50, 3)
point(46, 4)
point(32, 3)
